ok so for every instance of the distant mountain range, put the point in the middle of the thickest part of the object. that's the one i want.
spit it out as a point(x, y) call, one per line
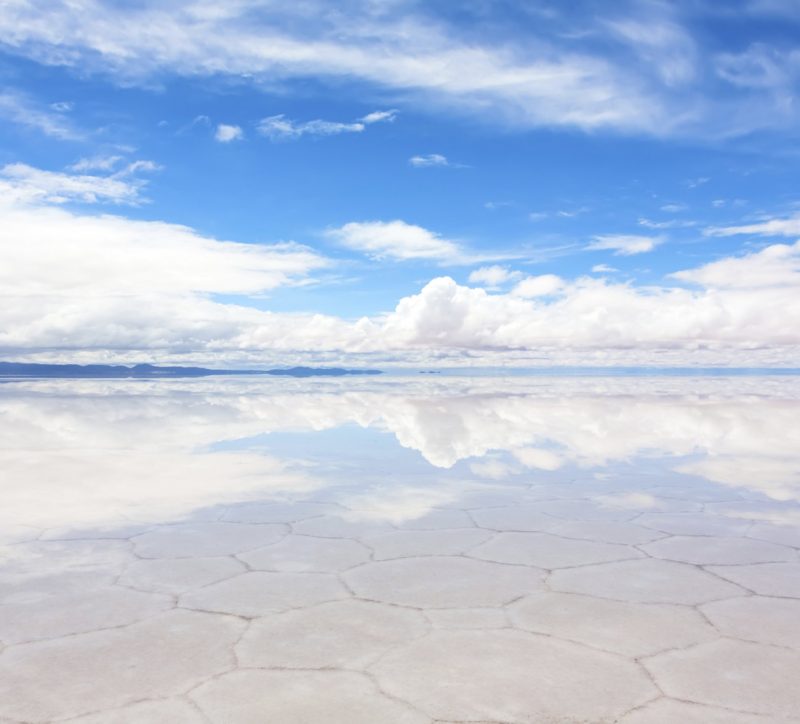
point(23, 369)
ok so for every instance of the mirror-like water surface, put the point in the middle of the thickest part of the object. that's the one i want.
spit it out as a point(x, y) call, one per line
point(451, 549)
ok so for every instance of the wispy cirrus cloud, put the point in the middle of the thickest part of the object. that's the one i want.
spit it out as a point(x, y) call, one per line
point(281, 128)
point(429, 160)
point(23, 111)
point(95, 163)
point(380, 116)
point(786, 226)
point(640, 71)
point(624, 244)
point(25, 184)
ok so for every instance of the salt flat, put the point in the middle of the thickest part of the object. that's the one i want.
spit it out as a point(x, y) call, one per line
point(395, 550)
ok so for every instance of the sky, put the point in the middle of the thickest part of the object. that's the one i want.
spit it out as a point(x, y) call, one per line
point(394, 182)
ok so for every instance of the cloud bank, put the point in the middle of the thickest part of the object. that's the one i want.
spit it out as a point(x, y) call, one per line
point(79, 286)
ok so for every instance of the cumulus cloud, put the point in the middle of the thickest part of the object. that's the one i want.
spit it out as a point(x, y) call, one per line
point(77, 285)
point(394, 240)
point(596, 316)
point(539, 286)
point(22, 183)
point(775, 266)
point(226, 133)
point(280, 128)
point(789, 226)
point(624, 244)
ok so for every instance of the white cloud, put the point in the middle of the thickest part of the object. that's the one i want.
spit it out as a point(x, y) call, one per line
point(25, 184)
point(771, 227)
point(603, 269)
point(642, 70)
point(82, 257)
point(775, 266)
point(674, 208)
point(79, 286)
point(62, 106)
point(671, 224)
point(379, 116)
point(759, 66)
point(602, 322)
point(661, 43)
point(226, 133)
point(493, 276)
point(431, 159)
point(401, 48)
point(539, 286)
point(624, 244)
point(19, 109)
point(280, 128)
point(394, 240)
point(95, 163)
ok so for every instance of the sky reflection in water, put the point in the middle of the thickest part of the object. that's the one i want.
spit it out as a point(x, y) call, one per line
point(88, 454)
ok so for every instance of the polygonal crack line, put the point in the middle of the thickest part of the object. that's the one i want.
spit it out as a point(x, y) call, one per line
point(747, 535)
point(368, 675)
point(705, 704)
point(177, 596)
point(549, 571)
point(721, 707)
point(73, 634)
point(92, 539)
point(358, 541)
point(644, 704)
point(515, 626)
point(128, 705)
point(711, 563)
point(273, 522)
point(173, 597)
point(248, 624)
point(554, 637)
point(392, 697)
point(583, 540)
point(722, 578)
point(268, 611)
point(637, 601)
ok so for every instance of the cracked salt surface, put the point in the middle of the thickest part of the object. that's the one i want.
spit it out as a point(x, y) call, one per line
point(602, 550)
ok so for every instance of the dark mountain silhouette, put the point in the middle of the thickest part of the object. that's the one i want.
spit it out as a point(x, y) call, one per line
point(24, 369)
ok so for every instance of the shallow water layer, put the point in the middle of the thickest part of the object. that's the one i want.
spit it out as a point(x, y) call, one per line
point(400, 550)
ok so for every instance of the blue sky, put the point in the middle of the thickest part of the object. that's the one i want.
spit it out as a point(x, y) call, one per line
point(505, 182)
